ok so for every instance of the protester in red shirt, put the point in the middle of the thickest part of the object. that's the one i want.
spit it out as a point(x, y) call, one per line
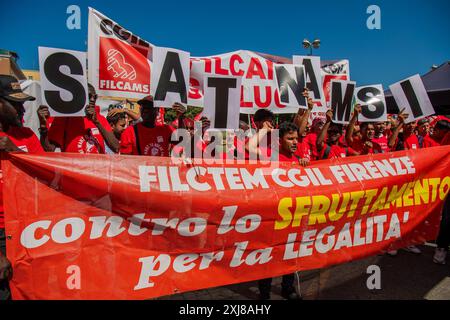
point(410, 140)
point(301, 120)
point(78, 134)
point(439, 136)
point(407, 140)
point(423, 129)
point(311, 138)
point(13, 138)
point(381, 136)
point(333, 148)
point(117, 119)
point(263, 120)
point(365, 144)
point(148, 138)
point(288, 138)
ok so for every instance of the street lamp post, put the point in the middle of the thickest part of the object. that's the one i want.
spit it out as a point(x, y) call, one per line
point(308, 45)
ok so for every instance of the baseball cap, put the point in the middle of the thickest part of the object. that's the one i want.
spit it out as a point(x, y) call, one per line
point(10, 90)
point(146, 101)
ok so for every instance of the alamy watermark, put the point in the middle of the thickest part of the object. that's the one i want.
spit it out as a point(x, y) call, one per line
point(73, 21)
point(374, 20)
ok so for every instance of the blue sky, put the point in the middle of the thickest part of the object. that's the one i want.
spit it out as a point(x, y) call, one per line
point(414, 33)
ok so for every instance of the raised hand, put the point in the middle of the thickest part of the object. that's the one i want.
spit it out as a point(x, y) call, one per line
point(43, 114)
point(90, 112)
point(329, 115)
point(179, 108)
point(267, 125)
point(402, 116)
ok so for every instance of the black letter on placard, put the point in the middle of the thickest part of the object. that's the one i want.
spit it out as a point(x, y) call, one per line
point(222, 85)
point(412, 98)
point(284, 80)
point(341, 106)
point(312, 84)
point(54, 75)
point(370, 94)
point(171, 64)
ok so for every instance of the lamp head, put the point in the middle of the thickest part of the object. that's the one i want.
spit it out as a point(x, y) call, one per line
point(306, 43)
point(316, 43)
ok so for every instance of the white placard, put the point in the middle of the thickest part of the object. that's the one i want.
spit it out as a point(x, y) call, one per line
point(412, 95)
point(373, 104)
point(63, 81)
point(221, 97)
point(313, 79)
point(291, 81)
point(170, 77)
point(341, 100)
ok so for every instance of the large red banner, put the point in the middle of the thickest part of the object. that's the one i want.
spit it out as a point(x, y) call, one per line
point(125, 227)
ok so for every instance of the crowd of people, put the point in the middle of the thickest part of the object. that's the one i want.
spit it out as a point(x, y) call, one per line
point(122, 131)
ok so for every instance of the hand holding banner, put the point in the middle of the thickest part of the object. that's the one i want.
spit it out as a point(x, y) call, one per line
point(155, 225)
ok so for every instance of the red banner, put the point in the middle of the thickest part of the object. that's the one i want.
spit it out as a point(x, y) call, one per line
point(125, 227)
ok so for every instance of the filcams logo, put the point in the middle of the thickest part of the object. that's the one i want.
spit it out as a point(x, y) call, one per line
point(122, 68)
point(117, 63)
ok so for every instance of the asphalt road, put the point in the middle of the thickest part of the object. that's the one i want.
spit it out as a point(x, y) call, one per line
point(407, 276)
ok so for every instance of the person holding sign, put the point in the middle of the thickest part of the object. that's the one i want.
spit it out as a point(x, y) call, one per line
point(287, 148)
point(439, 136)
point(333, 147)
point(365, 144)
point(147, 138)
point(423, 130)
point(408, 139)
point(117, 119)
point(13, 138)
point(263, 119)
point(78, 134)
point(381, 136)
point(301, 120)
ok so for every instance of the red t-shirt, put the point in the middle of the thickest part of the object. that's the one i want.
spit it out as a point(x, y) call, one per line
point(336, 151)
point(152, 141)
point(78, 134)
point(311, 140)
point(284, 158)
point(429, 142)
point(358, 146)
point(411, 142)
point(26, 140)
point(383, 142)
point(446, 140)
point(303, 150)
